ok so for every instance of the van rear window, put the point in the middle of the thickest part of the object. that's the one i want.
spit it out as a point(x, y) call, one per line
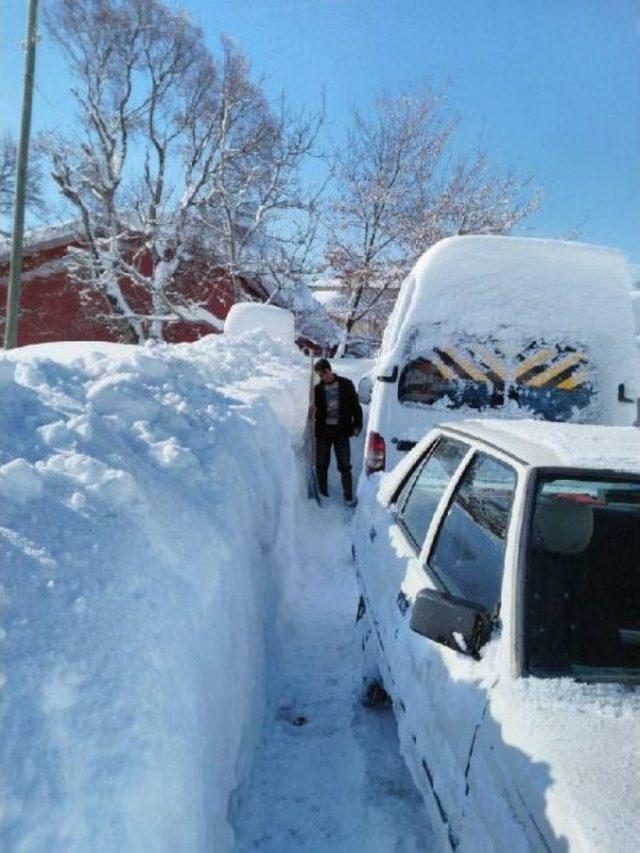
point(422, 383)
point(553, 381)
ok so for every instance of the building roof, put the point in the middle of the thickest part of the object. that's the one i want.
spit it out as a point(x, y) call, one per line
point(39, 239)
point(544, 444)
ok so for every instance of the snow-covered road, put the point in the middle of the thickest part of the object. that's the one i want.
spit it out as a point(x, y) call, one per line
point(328, 775)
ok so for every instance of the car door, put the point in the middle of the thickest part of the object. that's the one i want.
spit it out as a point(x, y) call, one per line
point(385, 552)
point(445, 694)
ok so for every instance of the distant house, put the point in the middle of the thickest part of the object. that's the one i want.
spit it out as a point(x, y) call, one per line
point(55, 308)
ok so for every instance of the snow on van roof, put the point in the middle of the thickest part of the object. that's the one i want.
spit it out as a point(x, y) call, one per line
point(541, 443)
point(574, 286)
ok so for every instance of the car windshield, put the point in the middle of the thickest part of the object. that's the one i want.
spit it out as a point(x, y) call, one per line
point(583, 579)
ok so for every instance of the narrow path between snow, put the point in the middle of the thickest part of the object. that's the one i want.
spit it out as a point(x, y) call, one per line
point(328, 775)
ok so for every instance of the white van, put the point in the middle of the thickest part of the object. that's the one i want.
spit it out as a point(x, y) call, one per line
point(504, 327)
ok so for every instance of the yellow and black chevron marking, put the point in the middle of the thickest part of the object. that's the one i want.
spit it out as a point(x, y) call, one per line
point(543, 366)
point(537, 366)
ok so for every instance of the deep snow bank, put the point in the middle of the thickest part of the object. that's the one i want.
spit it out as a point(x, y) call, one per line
point(147, 512)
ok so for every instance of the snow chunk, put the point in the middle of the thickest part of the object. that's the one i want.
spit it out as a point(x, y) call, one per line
point(249, 316)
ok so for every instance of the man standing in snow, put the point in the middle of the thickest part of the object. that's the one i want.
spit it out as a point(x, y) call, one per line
point(338, 416)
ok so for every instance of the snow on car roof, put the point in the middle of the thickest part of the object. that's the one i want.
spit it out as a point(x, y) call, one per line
point(540, 443)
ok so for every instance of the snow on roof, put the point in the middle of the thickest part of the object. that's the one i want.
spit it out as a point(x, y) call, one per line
point(540, 443)
point(330, 299)
point(38, 239)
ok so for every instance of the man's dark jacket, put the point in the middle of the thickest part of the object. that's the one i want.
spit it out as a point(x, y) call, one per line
point(349, 410)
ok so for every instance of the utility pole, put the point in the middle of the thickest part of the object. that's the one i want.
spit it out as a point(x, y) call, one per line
point(15, 264)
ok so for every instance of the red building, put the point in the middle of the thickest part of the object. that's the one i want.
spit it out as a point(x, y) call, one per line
point(53, 308)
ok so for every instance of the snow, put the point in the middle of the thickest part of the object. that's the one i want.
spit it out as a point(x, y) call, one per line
point(247, 317)
point(555, 444)
point(174, 606)
point(328, 776)
point(147, 525)
point(38, 239)
point(578, 289)
point(353, 368)
point(328, 298)
point(313, 321)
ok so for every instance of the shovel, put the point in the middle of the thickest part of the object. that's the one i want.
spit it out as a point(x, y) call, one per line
point(313, 493)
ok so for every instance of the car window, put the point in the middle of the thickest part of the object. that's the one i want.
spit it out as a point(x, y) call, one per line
point(583, 578)
point(421, 495)
point(468, 555)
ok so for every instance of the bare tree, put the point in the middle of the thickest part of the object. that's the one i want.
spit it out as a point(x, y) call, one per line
point(139, 70)
point(261, 218)
point(397, 193)
point(182, 162)
point(34, 197)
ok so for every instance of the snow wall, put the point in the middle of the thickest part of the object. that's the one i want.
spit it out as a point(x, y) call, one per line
point(146, 521)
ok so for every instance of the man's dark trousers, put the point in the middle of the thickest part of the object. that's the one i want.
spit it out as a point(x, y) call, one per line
point(334, 436)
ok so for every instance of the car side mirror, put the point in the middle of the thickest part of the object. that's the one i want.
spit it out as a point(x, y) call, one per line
point(453, 622)
point(365, 389)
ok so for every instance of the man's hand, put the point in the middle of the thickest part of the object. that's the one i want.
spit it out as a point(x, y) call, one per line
point(312, 410)
point(356, 432)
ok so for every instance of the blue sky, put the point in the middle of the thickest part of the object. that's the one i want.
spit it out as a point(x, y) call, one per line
point(551, 87)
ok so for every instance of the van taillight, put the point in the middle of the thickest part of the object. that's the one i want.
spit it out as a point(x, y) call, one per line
point(376, 453)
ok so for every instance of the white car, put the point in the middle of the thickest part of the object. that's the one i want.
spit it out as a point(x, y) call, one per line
point(499, 574)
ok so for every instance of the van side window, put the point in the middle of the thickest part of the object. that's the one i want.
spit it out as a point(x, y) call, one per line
point(468, 554)
point(423, 491)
